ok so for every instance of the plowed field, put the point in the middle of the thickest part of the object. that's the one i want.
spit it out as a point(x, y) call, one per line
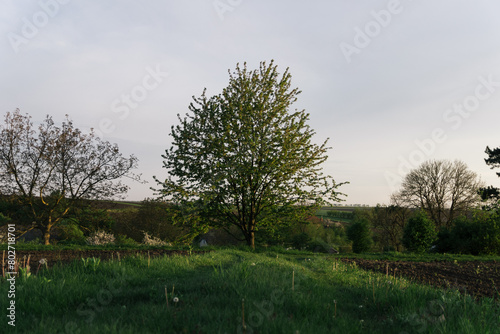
point(476, 278)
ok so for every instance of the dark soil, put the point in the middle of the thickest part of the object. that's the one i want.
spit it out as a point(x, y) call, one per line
point(476, 278)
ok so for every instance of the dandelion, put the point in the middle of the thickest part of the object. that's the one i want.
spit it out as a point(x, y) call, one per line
point(253, 264)
point(176, 300)
point(360, 306)
point(42, 261)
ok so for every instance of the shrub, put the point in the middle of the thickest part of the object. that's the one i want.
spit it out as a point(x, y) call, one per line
point(330, 235)
point(70, 232)
point(221, 237)
point(445, 242)
point(300, 240)
point(100, 238)
point(91, 219)
point(419, 233)
point(3, 219)
point(360, 235)
point(465, 236)
point(479, 234)
point(152, 241)
point(320, 246)
point(122, 240)
point(490, 235)
point(157, 218)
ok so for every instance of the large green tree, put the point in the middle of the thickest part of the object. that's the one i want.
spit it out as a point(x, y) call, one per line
point(245, 157)
point(49, 169)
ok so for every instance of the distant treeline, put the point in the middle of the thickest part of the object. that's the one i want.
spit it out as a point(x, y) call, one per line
point(337, 214)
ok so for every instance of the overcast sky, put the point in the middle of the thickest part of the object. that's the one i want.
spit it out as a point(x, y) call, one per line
point(391, 83)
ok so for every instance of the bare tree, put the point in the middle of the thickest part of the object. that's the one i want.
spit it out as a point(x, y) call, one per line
point(51, 168)
point(442, 188)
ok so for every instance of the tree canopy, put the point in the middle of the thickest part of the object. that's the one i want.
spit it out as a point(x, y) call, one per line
point(50, 168)
point(245, 157)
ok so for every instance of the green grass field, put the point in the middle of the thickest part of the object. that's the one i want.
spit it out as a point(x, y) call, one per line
point(323, 212)
point(282, 293)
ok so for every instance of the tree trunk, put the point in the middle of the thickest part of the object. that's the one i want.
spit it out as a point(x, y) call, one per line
point(252, 240)
point(46, 235)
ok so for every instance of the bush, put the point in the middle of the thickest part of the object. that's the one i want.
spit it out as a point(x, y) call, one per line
point(152, 241)
point(154, 217)
point(477, 235)
point(445, 242)
point(419, 233)
point(100, 238)
point(3, 219)
point(490, 235)
point(91, 219)
point(465, 236)
point(122, 240)
point(300, 240)
point(333, 235)
point(320, 246)
point(70, 232)
point(360, 235)
point(221, 237)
